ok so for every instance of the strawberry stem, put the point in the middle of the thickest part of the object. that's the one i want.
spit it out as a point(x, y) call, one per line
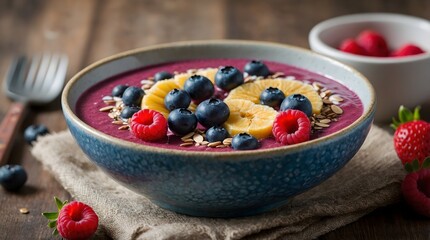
point(426, 163)
point(415, 165)
point(406, 115)
point(408, 167)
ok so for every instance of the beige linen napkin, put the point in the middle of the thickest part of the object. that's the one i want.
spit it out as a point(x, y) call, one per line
point(370, 180)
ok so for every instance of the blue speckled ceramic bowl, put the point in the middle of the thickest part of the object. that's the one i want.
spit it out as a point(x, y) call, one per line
point(225, 184)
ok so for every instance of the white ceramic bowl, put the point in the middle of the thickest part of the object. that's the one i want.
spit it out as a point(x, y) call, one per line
point(397, 81)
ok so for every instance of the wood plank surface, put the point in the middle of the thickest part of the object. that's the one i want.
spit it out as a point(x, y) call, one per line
point(88, 30)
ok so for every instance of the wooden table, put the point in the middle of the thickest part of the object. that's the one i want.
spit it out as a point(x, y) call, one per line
point(88, 30)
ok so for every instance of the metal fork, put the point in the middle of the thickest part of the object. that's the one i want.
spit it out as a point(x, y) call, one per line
point(38, 80)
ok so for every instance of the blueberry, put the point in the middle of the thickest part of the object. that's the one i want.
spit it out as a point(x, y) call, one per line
point(297, 102)
point(212, 112)
point(163, 75)
point(257, 68)
point(177, 99)
point(272, 97)
point(228, 78)
point(132, 96)
point(128, 111)
point(12, 177)
point(118, 90)
point(199, 87)
point(32, 132)
point(244, 141)
point(182, 121)
point(215, 134)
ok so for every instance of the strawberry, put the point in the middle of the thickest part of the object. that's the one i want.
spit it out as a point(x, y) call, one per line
point(148, 125)
point(351, 46)
point(412, 136)
point(373, 43)
point(291, 127)
point(74, 220)
point(407, 50)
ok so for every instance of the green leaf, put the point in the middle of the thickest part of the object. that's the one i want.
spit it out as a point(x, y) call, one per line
point(395, 124)
point(55, 232)
point(415, 165)
point(50, 215)
point(417, 113)
point(405, 115)
point(52, 224)
point(59, 203)
point(426, 163)
point(408, 167)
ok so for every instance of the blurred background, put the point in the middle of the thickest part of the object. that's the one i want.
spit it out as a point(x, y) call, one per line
point(88, 30)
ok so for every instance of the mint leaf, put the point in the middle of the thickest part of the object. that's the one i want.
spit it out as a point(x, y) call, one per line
point(415, 165)
point(426, 163)
point(408, 167)
point(50, 215)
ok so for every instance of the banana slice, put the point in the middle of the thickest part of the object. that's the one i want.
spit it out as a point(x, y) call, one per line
point(154, 97)
point(246, 116)
point(251, 91)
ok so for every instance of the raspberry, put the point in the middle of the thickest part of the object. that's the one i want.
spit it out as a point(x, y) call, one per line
point(148, 125)
point(77, 221)
point(416, 191)
point(407, 50)
point(373, 43)
point(291, 127)
point(74, 220)
point(351, 46)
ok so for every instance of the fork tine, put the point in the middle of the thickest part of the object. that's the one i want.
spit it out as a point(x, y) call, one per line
point(60, 75)
point(16, 71)
point(38, 81)
point(50, 73)
point(32, 72)
point(42, 71)
point(54, 85)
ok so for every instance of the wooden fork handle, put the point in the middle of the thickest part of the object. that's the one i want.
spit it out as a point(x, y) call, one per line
point(9, 127)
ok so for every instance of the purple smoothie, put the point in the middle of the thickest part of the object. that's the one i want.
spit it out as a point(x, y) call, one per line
point(89, 103)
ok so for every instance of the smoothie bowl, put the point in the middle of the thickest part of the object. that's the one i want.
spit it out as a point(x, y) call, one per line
point(244, 150)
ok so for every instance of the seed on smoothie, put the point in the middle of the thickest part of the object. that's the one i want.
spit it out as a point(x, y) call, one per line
point(335, 98)
point(198, 138)
point(319, 124)
point(326, 120)
point(214, 144)
point(186, 144)
point(106, 109)
point(336, 109)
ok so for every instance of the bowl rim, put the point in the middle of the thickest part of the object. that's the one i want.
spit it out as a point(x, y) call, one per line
point(219, 155)
point(322, 47)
